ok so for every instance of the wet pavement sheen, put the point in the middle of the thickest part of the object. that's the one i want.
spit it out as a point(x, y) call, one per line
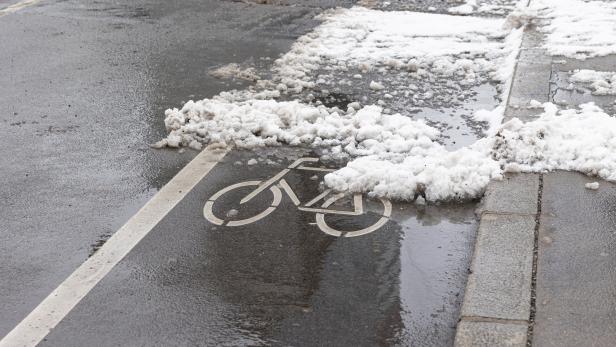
point(280, 280)
point(83, 90)
point(575, 272)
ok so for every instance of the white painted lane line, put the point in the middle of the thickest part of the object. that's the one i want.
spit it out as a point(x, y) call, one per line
point(61, 301)
point(18, 6)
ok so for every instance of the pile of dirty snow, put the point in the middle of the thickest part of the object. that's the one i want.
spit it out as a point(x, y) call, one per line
point(581, 140)
point(394, 156)
point(258, 123)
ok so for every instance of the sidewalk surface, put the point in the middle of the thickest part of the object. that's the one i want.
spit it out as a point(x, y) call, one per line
point(576, 277)
point(543, 270)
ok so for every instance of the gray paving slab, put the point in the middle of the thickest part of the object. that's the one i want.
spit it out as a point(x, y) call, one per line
point(499, 285)
point(490, 334)
point(533, 38)
point(576, 271)
point(522, 113)
point(531, 82)
point(565, 93)
point(606, 63)
point(532, 74)
point(516, 194)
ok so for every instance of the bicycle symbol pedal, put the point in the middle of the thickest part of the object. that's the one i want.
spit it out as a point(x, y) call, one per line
point(277, 184)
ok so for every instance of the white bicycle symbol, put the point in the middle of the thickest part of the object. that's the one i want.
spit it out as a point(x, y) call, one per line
point(278, 182)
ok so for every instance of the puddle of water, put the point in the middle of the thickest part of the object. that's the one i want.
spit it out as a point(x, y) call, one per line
point(456, 124)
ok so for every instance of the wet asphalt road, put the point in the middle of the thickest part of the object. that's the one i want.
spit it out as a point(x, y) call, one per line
point(281, 280)
point(83, 89)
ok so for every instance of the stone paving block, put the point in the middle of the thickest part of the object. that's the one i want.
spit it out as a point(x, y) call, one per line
point(535, 56)
point(532, 77)
point(500, 283)
point(522, 113)
point(530, 85)
point(533, 38)
point(516, 193)
point(576, 264)
point(490, 334)
point(606, 63)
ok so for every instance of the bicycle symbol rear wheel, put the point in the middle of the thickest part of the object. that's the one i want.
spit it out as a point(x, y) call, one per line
point(208, 212)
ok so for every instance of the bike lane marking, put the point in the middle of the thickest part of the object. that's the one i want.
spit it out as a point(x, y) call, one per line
point(17, 6)
point(32, 329)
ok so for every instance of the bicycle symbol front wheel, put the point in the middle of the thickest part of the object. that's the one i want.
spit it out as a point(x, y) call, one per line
point(338, 233)
point(208, 211)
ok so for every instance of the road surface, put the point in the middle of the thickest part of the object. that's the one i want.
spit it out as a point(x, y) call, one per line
point(84, 89)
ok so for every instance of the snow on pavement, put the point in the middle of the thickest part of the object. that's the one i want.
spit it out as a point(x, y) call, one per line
point(557, 139)
point(463, 7)
point(358, 37)
point(582, 139)
point(578, 29)
point(392, 155)
point(600, 82)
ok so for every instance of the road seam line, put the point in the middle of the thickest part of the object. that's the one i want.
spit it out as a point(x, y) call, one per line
point(533, 288)
point(502, 213)
point(493, 320)
point(33, 329)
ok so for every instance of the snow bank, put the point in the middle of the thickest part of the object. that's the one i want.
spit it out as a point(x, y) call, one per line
point(581, 140)
point(394, 155)
point(391, 155)
point(578, 29)
point(431, 169)
point(257, 123)
point(600, 82)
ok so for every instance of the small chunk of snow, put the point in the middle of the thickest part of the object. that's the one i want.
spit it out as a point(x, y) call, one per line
point(592, 186)
point(233, 70)
point(376, 86)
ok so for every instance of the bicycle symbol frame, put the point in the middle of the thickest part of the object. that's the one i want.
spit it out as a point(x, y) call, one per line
point(277, 182)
